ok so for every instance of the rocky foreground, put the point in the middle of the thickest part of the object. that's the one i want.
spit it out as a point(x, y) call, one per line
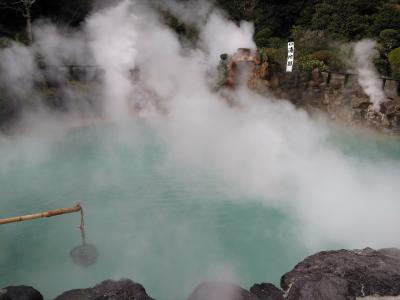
point(328, 275)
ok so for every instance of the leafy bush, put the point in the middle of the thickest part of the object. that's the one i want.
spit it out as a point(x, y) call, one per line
point(382, 65)
point(388, 16)
point(323, 55)
point(309, 63)
point(275, 57)
point(389, 39)
point(275, 42)
point(309, 41)
point(345, 19)
point(262, 37)
point(394, 60)
point(333, 60)
point(185, 31)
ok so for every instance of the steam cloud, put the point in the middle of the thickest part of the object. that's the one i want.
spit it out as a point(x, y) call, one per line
point(18, 70)
point(368, 78)
point(266, 148)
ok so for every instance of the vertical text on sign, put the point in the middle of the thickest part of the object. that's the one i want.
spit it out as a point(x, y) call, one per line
point(290, 58)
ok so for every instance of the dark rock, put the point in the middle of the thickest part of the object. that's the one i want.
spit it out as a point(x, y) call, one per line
point(360, 102)
point(221, 291)
point(316, 78)
point(108, 290)
point(345, 274)
point(21, 292)
point(337, 81)
point(267, 291)
point(391, 108)
point(319, 287)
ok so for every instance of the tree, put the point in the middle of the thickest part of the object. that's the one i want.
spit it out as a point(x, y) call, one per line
point(390, 39)
point(235, 8)
point(277, 15)
point(25, 8)
point(346, 19)
point(66, 12)
point(309, 41)
point(280, 15)
point(262, 37)
point(387, 17)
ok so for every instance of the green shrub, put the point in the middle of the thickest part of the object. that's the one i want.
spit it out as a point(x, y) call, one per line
point(394, 60)
point(275, 42)
point(382, 65)
point(390, 39)
point(184, 30)
point(323, 55)
point(276, 57)
point(309, 63)
point(330, 58)
point(262, 37)
point(309, 41)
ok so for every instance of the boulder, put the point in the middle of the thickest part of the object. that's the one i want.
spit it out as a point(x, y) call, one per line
point(337, 81)
point(221, 291)
point(229, 291)
point(267, 291)
point(316, 78)
point(360, 102)
point(391, 108)
point(21, 292)
point(345, 274)
point(108, 290)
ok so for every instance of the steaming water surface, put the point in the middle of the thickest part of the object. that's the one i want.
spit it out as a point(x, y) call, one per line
point(158, 222)
point(153, 221)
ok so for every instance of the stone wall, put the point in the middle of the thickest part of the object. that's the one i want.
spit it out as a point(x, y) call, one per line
point(340, 96)
point(337, 81)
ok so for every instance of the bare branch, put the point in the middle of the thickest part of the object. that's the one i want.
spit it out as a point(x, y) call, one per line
point(11, 6)
point(18, 5)
point(24, 7)
point(12, 3)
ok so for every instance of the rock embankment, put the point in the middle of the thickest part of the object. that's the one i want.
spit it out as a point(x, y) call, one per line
point(341, 97)
point(344, 275)
point(328, 275)
point(108, 290)
point(123, 289)
point(21, 292)
point(228, 291)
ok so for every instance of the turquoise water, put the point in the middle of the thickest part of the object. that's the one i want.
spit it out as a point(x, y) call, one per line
point(366, 145)
point(163, 224)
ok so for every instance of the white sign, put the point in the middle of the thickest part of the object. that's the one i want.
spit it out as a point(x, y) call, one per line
point(290, 58)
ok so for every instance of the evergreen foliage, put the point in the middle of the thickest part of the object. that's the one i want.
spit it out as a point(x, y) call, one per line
point(315, 25)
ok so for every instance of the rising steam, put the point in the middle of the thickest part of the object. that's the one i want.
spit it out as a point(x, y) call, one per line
point(368, 78)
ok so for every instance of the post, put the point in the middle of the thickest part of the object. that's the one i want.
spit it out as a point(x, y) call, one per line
point(46, 214)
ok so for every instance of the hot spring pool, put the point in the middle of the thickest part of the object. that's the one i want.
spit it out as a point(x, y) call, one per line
point(160, 223)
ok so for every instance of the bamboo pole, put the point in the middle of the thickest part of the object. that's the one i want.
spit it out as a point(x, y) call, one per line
point(46, 214)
